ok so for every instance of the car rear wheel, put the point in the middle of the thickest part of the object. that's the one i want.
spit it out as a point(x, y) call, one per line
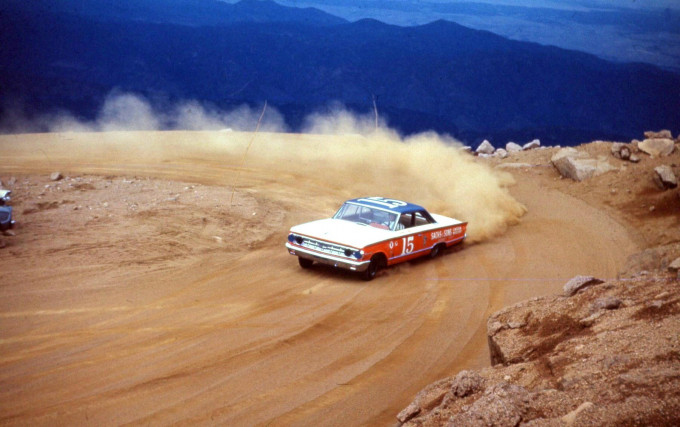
point(305, 263)
point(436, 251)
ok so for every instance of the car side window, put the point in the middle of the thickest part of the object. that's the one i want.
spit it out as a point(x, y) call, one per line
point(406, 220)
point(422, 218)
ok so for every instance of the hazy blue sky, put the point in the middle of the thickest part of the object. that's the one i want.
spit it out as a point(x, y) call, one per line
point(557, 4)
point(578, 4)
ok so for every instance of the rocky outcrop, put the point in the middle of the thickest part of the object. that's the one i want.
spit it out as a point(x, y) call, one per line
point(578, 165)
point(603, 355)
point(652, 259)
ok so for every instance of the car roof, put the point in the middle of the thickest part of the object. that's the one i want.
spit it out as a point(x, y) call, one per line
point(391, 205)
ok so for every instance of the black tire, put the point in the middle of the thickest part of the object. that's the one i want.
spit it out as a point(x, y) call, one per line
point(436, 251)
point(376, 264)
point(304, 262)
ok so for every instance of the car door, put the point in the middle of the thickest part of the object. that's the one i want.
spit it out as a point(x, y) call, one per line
point(413, 239)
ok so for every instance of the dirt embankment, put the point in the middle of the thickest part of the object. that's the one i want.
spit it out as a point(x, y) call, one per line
point(150, 284)
point(601, 352)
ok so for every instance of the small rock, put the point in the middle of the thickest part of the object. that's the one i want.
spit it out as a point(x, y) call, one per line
point(516, 325)
point(655, 304)
point(428, 398)
point(485, 148)
point(493, 328)
point(571, 417)
point(466, 383)
point(502, 153)
point(501, 405)
point(512, 147)
point(675, 265)
point(531, 145)
point(578, 283)
point(620, 151)
point(9, 233)
point(664, 178)
point(590, 320)
point(409, 412)
point(56, 176)
point(660, 134)
point(607, 303)
point(634, 158)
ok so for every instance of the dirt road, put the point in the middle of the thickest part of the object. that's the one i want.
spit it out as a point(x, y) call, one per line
point(142, 288)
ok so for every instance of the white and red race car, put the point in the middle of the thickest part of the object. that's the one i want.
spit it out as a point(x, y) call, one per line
point(370, 233)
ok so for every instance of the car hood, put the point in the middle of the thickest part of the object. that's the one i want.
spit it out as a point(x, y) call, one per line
point(343, 232)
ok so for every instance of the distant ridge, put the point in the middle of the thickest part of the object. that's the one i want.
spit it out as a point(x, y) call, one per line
point(441, 76)
point(181, 12)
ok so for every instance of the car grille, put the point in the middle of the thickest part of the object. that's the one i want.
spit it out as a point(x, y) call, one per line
point(325, 247)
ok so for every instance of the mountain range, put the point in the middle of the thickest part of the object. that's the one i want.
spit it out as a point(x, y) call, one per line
point(70, 54)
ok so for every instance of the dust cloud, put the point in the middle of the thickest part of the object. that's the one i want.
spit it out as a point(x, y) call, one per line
point(428, 169)
point(343, 153)
point(125, 111)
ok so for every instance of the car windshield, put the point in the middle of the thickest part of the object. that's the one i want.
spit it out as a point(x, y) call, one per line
point(367, 216)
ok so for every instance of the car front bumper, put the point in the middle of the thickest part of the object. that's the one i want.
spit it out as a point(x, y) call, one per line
point(327, 259)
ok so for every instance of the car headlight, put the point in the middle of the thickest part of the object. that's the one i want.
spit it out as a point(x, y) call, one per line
point(294, 238)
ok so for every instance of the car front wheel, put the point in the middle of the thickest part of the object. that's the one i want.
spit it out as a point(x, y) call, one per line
point(305, 263)
point(376, 264)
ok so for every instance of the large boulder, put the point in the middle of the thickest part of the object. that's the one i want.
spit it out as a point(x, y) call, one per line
point(657, 147)
point(578, 165)
point(664, 178)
